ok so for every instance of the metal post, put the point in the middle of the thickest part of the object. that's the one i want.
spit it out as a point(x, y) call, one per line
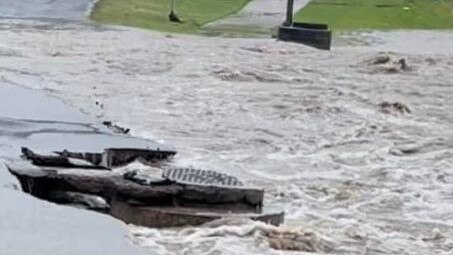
point(172, 16)
point(173, 5)
point(289, 13)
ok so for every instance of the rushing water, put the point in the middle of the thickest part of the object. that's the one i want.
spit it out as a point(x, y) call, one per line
point(327, 134)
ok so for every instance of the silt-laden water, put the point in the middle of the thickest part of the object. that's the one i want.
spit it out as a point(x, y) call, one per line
point(357, 151)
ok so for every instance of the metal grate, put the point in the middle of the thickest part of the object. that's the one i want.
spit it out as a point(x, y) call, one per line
point(198, 176)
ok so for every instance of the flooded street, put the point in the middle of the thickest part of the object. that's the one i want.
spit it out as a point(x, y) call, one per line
point(356, 146)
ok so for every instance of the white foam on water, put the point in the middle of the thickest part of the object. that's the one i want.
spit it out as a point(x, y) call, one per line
point(225, 237)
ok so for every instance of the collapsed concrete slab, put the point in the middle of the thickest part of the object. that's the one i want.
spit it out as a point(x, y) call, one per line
point(100, 160)
point(186, 198)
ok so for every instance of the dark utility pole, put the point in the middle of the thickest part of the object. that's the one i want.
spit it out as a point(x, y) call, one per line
point(289, 13)
point(172, 16)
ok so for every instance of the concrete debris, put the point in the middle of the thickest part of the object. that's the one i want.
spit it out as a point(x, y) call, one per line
point(146, 179)
point(158, 198)
point(62, 160)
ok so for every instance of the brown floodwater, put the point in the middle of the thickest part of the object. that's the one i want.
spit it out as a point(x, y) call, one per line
point(356, 148)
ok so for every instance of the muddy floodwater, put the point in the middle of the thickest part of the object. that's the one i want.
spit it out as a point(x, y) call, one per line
point(356, 144)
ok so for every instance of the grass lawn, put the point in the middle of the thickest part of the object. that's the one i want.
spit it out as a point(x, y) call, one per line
point(153, 14)
point(379, 14)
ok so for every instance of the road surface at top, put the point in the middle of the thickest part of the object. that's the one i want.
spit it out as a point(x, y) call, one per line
point(257, 17)
point(45, 9)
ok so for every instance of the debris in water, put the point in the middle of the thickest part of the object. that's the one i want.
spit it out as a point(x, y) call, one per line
point(101, 105)
point(298, 240)
point(233, 75)
point(405, 149)
point(392, 107)
point(402, 62)
point(250, 76)
point(257, 49)
point(356, 233)
point(380, 60)
point(56, 54)
point(387, 64)
point(116, 128)
point(435, 235)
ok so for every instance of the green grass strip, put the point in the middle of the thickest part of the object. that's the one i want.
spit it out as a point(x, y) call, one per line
point(379, 14)
point(153, 14)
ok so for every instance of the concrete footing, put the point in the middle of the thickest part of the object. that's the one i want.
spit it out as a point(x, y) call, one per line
point(315, 35)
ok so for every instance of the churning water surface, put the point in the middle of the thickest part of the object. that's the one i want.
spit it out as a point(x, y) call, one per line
point(357, 148)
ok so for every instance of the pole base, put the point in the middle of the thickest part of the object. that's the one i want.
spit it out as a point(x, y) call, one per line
point(315, 35)
point(173, 17)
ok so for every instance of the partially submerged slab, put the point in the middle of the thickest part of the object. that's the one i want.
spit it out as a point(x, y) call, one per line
point(155, 204)
point(159, 216)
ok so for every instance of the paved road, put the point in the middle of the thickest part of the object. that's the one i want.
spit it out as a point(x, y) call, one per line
point(53, 9)
point(259, 16)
